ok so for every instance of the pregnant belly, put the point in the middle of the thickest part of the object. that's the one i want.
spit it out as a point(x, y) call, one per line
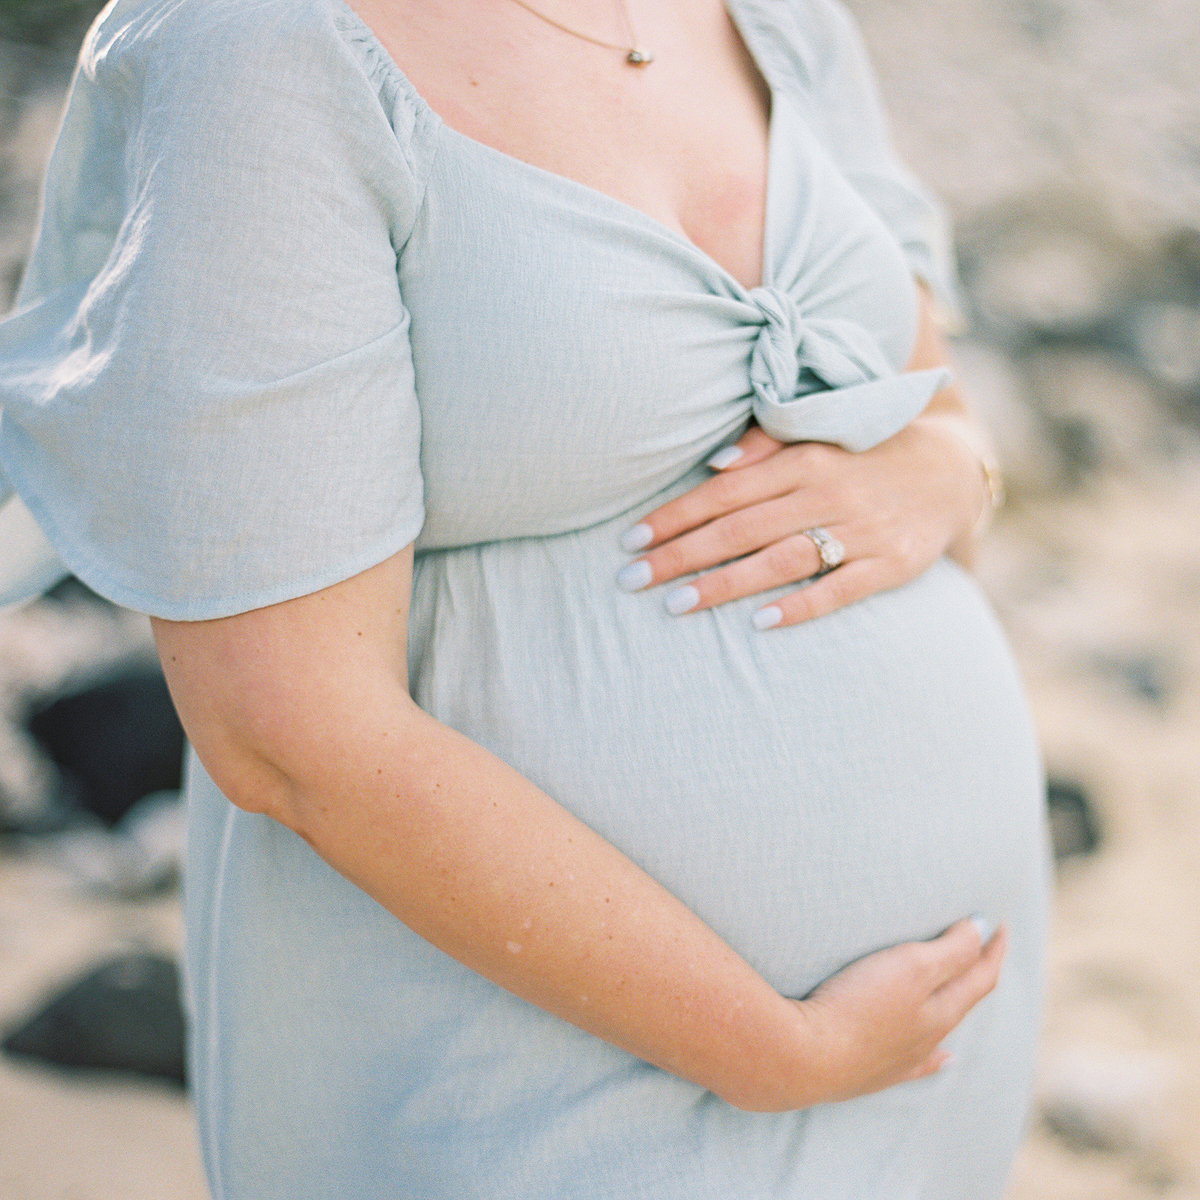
point(812, 793)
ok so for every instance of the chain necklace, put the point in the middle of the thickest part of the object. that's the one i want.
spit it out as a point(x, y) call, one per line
point(635, 56)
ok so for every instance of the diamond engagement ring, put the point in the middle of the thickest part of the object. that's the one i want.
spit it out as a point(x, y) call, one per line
point(828, 547)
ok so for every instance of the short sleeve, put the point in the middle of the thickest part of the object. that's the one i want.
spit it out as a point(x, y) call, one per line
point(208, 391)
point(818, 53)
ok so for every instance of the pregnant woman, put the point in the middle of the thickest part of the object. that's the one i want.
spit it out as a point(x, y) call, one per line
point(504, 880)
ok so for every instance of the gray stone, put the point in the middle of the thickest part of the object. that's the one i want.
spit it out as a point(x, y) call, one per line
point(142, 855)
point(123, 1015)
point(1094, 1098)
point(1074, 829)
point(1165, 338)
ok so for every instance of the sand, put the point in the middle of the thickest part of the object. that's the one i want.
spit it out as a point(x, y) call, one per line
point(1065, 137)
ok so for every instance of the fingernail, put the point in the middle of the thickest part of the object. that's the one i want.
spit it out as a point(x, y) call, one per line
point(725, 458)
point(767, 618)
point(635, 576)
point(984, 928)
point(637, 538)
point(681, 600)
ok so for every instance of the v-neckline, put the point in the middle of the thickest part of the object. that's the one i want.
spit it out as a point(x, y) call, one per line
point(775, 96)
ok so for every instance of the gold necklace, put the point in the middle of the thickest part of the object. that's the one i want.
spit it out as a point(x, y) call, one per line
point(635, 56)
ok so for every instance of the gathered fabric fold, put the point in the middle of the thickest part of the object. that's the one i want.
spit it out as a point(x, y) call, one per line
point(821, 379)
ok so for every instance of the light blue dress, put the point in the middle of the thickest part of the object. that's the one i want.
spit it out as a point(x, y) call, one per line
point(281, 321)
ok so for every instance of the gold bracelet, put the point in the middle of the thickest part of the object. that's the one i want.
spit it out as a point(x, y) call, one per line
point(993, 478)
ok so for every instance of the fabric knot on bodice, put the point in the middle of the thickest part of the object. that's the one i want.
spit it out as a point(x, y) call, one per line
point(819, 379)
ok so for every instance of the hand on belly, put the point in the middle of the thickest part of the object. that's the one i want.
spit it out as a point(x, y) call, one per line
point(882, 1018)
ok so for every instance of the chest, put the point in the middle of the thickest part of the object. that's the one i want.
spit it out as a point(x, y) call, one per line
point(574, 356)
point(684, 139)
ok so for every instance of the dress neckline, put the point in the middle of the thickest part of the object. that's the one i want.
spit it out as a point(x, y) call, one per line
point(597, 195)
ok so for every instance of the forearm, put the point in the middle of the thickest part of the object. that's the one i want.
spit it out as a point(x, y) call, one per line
point(300, 711)
point(474, 858)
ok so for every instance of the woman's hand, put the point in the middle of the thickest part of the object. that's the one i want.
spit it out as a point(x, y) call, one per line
point(895, 509)
point(881, 1020)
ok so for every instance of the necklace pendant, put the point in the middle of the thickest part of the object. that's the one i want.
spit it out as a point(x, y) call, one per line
point(639, 58)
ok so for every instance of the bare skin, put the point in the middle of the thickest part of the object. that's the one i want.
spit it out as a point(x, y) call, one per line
point(684, 140)
point(301, 710)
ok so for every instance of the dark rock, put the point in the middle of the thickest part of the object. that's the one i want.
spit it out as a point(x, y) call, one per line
point(123, 1016)
point(72, 590)
point(114, 742)
point(1078, 447)
point(58, 23)
point(1073, 826)
point(1164, 338)
point(1145, 676)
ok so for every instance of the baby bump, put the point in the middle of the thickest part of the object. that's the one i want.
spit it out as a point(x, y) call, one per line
point(813, 793)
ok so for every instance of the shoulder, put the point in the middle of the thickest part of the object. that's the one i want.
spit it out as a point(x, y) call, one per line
point(188, 31)
point(821, 22)
point(262, 55)
point(280, 78)
point(808, 39)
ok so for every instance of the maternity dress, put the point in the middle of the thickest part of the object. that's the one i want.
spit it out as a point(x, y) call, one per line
point(280, 321)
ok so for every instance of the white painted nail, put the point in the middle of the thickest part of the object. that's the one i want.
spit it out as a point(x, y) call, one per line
point(681, 600)
point(637, 538)
point(984, 928)
point(635, 576)
point(767, 618)
point(725, 457)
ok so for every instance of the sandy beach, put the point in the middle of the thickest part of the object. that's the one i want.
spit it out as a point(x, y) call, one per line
point(1064, 136)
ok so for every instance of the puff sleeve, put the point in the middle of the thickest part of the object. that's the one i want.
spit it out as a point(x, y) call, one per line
point(208, 391)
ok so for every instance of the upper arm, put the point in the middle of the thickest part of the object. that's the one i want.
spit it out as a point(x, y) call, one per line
point(213, 408)
point(264, 695)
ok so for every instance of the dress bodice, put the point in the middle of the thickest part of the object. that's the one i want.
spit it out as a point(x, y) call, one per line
point(624, 352)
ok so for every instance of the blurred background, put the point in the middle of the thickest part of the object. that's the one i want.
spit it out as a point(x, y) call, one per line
point(1064, 138)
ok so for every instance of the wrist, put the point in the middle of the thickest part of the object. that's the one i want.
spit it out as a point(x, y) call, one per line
point(991, 478)
point(783, 1067)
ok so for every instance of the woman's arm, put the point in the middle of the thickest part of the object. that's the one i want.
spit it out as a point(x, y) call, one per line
point(300, 711)
point(895, 508)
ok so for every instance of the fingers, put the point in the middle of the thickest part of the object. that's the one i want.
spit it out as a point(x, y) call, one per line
point(931, 1065)
point(850, 582)
point(883, 1017)
point(786, 557)
point(784, 561)
point(746, 528)
point(766, 532)
point(962, 971)
point(726, 492)
point(963, 990)
point(952, 956)
point(752, 447)
point(954, 951)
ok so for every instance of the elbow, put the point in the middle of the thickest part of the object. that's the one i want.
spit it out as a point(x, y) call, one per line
point(251, 782)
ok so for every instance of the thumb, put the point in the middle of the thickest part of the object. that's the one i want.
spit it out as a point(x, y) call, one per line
point(752, 447)
point(959, 948)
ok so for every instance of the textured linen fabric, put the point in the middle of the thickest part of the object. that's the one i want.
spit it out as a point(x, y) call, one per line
point(260, 251)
